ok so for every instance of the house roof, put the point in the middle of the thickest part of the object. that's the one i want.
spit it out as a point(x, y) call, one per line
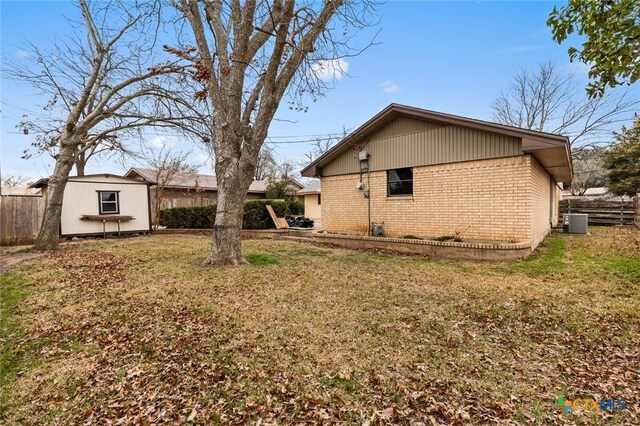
point(42, 182)
point(312, 188)
point(23, 190)
point(193, 180)
point(551, 150)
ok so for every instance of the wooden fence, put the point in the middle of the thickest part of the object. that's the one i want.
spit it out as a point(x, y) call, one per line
point(602, 212)
point(20, 218)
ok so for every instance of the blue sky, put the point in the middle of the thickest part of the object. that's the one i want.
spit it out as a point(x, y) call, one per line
point(453, 57)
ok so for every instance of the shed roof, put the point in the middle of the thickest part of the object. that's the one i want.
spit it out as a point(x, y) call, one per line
point(42, 182)
point(551, 150)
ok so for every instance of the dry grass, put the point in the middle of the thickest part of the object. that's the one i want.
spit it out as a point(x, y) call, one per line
point(135, 330)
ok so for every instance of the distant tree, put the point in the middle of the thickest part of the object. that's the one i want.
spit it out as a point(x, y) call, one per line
point(321, 145)
point(549, 100)
point(166, 165)
point(281, 188)
point(267, 164)
point(622, 161)
point(285, 169)
point(612, 29)
point(588, 171)
point(99, 82)
point(13, 180)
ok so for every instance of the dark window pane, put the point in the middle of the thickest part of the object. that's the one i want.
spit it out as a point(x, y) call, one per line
point(109, 207)
point(401, 174)
point(108, 196)
point(400, 182)
point(401, 188)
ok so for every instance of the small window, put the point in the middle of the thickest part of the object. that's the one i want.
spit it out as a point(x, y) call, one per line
point(109, 202)
point(399, 182)
point(319, 199)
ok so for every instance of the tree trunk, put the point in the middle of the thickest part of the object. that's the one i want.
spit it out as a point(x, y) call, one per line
point(81, 163)
point(50, 229)
point(157, 202)
point(232, 192)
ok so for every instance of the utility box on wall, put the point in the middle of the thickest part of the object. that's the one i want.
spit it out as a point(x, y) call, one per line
point(575, 223)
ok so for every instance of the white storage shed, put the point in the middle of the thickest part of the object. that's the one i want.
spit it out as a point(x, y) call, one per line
point(103, 204)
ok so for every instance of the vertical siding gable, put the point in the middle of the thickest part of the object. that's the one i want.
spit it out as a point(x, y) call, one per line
point(406, 142)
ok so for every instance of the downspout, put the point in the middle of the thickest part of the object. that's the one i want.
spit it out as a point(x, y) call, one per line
point(368, 201)
point(551, 203)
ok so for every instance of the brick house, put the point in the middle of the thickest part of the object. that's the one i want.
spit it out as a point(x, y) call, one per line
point(430, 174)
point(193, 189)
point(312, 200)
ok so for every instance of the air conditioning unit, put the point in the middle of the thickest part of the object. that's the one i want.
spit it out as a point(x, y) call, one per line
point(575, 223)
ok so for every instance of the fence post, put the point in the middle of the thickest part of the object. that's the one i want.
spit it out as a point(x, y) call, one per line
point(636, 210)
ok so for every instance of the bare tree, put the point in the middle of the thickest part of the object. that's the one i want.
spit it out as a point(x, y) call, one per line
point(100, 81)
point(285, 169)
point(47, 140)
point(13, 180)
point(321, 145)
point(266, 164)
point(166, 165)
point(588, 171)
point(248, 56)
point(110, 145)
point(549, 100)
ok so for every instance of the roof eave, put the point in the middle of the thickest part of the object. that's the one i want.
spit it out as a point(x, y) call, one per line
point(311, 170)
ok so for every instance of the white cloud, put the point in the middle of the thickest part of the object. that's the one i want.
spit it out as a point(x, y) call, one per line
point(163, 142)
point(22, 54)
point(330, 69)
point(389, 87)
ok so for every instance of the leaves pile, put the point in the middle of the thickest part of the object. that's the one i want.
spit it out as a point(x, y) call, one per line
point(135, 332)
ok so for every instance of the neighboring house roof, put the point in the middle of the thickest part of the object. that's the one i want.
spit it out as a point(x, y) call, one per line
point(23, 191)
point(45, 181)
point(551, 150)
point(312, 188)
point(196, 180)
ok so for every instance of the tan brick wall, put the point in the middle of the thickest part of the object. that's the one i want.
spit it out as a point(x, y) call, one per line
point(540, 202)
point(312, 209)
point(505, 199)
point(343, 205)
point(485, 199)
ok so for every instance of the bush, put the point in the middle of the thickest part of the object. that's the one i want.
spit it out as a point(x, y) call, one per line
point(295, 206)
point(188, 217)
point(255, 214)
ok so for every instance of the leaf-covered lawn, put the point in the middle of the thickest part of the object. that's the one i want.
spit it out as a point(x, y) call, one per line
point(134, 330)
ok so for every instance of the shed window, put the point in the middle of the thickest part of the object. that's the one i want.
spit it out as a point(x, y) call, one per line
point(400, 182)
point(109, 202)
